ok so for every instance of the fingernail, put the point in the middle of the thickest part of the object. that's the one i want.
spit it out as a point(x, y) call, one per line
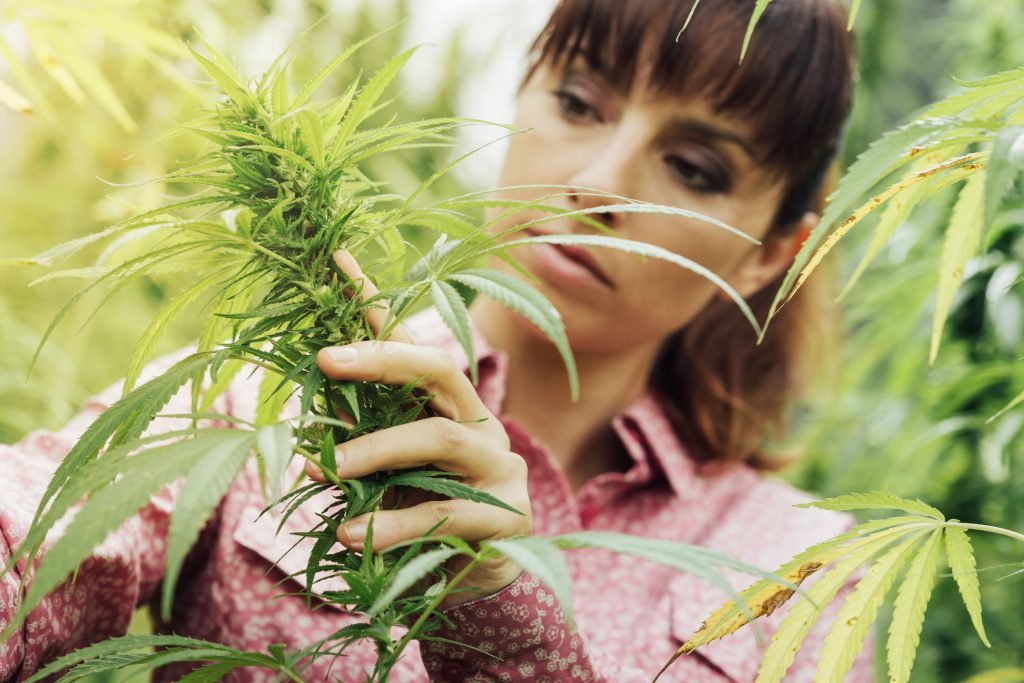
point(314, 471)
point(342, 355)
point(346, 262)
point(356, 531)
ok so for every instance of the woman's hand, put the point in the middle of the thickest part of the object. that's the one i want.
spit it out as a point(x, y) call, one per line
point(463, 438)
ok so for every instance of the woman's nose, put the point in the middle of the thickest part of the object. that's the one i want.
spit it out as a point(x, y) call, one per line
point(605, 179)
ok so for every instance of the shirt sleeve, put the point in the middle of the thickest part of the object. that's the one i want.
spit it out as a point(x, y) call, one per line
point(521, 633)
point(124, 571)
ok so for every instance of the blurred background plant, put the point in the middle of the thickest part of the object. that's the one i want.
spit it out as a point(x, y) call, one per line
point(888, 421)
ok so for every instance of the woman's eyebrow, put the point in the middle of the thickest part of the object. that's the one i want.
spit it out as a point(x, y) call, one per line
point(687, 127)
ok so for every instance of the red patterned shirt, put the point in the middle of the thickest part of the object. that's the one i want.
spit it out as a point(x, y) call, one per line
point(630, 614)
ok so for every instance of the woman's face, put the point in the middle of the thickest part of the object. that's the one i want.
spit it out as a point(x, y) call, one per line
point(585, 134)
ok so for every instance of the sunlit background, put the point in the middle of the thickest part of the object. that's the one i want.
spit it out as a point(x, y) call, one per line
point(109, 79)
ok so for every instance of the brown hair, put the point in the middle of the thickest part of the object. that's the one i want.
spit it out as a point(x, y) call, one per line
point(724, 393)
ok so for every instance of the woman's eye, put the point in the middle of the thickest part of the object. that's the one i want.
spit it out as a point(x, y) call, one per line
point(695, 177)
point(575, 107)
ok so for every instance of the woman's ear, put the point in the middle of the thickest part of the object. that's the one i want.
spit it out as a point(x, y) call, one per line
point(771, 259)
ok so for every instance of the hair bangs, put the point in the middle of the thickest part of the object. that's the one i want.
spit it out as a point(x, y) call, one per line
point(792, 88)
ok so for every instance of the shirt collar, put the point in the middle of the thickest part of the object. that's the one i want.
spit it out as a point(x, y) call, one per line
point(661, 445)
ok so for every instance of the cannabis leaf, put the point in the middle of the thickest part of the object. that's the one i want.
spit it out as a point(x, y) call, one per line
point(961, 562)
point(905, 546)
point(929, 155)
point(115, 653)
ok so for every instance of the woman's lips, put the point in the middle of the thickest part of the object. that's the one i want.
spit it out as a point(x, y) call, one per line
point(574, 264)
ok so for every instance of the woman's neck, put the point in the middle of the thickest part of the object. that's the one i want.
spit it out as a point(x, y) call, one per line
point(537, 396)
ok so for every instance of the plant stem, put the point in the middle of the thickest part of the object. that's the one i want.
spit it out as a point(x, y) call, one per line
point(431, 608)
point(329, 476)
point(990, 529)
point(291, 675)
point(267, 252)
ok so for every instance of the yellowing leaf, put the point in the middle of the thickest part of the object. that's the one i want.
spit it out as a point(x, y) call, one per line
point(909, 608)
point(12, 99)
point(963, 239)
point(895, 213)
point(965, 573)
point(854, 7)
point(876, 500)
point(856, 615)
point(804, 614)
point(762, 599)
point(986, 98)
point(865, 209)
point(26, 81)
point(764, 596)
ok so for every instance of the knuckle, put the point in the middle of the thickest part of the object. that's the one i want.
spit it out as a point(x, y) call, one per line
point(500, 436)
point(451, 436)
point(441, 513)
point(523, 522)
point(381, 351)
point(517, 467)
point(444, 365)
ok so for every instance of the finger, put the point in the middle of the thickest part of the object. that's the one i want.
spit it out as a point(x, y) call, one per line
point(429, 368)
point(468, 520)
point(345, 416)
point(314, 472)
point(377, 314)
point(434, 441)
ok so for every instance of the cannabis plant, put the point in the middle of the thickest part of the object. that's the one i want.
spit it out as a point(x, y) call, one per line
point(278, 193)
point(976, 138)
point(61, 35)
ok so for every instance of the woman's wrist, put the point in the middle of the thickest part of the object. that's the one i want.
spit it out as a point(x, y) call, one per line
point(487, 579)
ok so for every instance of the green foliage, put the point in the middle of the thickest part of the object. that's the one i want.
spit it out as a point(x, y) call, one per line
point(908, 612)
point(59, 33)
point(116, 653)
point(901, 546)
point(206, 482)
point(887, 422)
point(950, 436)
point(961, 561)
point(280, 190)
point(941, 134)
point(967, 137)
point(759, 8)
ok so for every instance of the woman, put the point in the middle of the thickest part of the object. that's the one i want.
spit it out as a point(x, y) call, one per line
point(676, 397)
